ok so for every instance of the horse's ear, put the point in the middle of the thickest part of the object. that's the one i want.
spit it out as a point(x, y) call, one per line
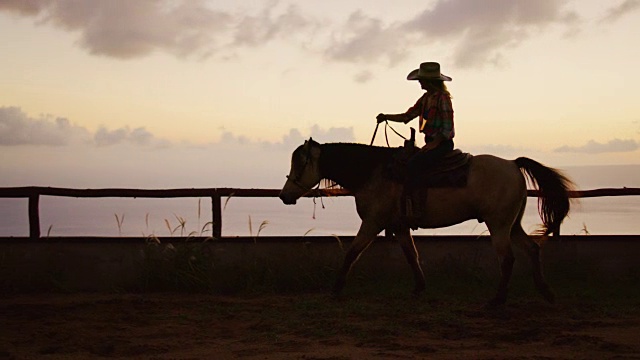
point(311, 147)
point(307, 143)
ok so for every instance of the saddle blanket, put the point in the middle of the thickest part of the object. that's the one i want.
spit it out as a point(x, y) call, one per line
point(452, 171)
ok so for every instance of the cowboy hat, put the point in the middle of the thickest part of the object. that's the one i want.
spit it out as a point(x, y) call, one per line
point(427, 71)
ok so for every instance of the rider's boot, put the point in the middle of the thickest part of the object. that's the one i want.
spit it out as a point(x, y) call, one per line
point(411, 208)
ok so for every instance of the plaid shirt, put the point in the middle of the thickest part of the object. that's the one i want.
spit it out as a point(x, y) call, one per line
point(436, 115)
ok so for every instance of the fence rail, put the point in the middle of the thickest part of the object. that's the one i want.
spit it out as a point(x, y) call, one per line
point(33, 193)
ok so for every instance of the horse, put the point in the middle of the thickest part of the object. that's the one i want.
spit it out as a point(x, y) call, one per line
point(495, 192)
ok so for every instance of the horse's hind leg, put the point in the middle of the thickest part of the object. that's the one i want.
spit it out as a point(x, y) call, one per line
point(533, 250)
point(363, 239)
point(501, 240)
point(411, 253)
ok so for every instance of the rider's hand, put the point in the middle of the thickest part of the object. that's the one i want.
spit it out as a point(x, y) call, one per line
point(381, 117)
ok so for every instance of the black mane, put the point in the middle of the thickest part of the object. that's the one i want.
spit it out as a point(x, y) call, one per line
point(352, 165)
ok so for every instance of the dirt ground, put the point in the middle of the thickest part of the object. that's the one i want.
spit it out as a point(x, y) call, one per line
point(310, 326)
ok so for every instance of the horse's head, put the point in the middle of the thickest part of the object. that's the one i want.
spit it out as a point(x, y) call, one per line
point(304, 173)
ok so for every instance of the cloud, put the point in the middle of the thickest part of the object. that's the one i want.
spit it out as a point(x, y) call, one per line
point(230, 138)
point(139, 136)
point(268, 25)
point(104, 137)
point(295, 137)
point(480, 31)
point(127, 29)
point(17, 128)
point(616, 12)
point(289, 141)
point(332, 134)
point(502, 150)
point(363, 77)
point(594, 147)
point(23, 7)
point(364, 38)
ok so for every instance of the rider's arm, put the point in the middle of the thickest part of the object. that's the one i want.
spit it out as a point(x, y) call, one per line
point(411, 114)
point(403, 118)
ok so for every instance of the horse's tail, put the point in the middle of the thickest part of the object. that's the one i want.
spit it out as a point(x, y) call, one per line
point(554, 187)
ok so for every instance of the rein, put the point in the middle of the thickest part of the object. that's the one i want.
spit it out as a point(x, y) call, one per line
point(386, 136)
point(297, 183)
point(306, 191)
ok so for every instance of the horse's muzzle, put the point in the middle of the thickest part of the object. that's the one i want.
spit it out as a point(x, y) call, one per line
point(288, 199)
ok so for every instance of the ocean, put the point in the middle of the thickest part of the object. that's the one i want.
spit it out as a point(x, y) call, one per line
point(322, 217)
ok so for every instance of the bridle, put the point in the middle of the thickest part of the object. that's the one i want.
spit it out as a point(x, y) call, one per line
point(306, 189)
point(296, 181)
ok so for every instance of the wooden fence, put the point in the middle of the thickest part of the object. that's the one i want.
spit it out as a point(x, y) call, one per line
point(33, 193)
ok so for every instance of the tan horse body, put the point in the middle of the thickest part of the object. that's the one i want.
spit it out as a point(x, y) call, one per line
point(495, 193)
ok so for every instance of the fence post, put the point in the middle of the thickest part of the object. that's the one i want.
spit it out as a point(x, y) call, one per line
point(216, 212)
point(34, 216)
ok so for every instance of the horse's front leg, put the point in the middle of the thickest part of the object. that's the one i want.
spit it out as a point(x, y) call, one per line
point(366, 234)
point(411, 253)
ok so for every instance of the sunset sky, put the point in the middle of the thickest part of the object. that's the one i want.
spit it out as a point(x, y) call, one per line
point(206, 93)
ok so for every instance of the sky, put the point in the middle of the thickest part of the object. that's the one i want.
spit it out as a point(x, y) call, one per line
point(210, 93)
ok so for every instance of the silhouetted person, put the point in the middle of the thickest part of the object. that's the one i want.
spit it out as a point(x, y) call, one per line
point(435, 111)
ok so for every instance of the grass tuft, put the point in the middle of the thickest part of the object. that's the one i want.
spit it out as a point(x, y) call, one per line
point(168, 224)
point(119, 221)
point(227, 201)
point(584, 230)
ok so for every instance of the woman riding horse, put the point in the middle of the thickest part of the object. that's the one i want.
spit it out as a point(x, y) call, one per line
point(436, 122)
point(495, 193)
